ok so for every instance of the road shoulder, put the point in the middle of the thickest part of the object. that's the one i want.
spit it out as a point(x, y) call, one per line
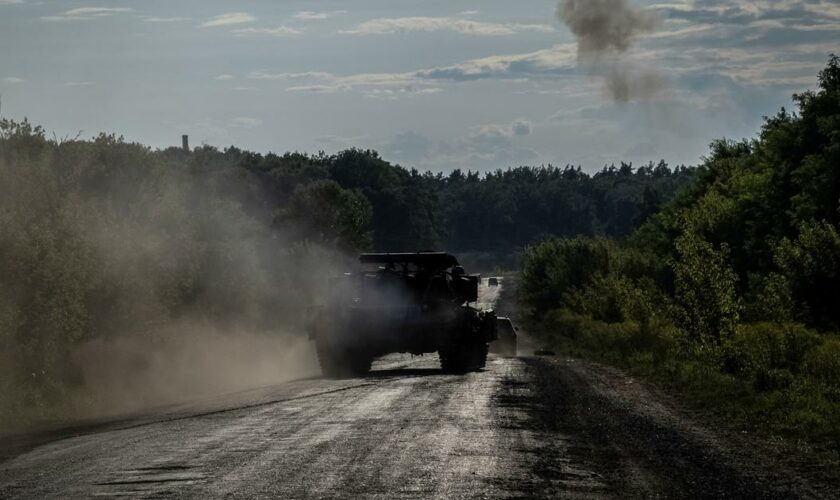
point(643, 443)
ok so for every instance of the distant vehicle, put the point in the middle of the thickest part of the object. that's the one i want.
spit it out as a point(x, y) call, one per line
point(403, 302)
point(493, 281)
point(505, 343)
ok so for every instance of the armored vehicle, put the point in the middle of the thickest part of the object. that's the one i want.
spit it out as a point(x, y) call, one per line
point(403, 302)
point(505, 343)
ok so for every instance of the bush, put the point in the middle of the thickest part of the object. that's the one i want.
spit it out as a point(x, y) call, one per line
point(616, 298)
point(811, 264)
point(772, 379)
point(769, 354)
point(557, 267)
point(768, 299)
point(623, 342)
point(823, 363)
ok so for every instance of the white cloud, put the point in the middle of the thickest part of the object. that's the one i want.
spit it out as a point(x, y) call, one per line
point(517, 128)
point(86, 13)
point(682, 32)
point(383, 26)
point(13, 80)
point(10, 2)
point(246, 122)
point(751, 67)
point(363, 80)
point(165, 19)
point(469, 13)
point(553, 61)
point(399, 92)
point(278, 31)
point(312, 15)
point(373, 85)
point(483, 148)
point(521, 127)
point(223, 77)
point(542, 64)
point(338, 142)
point(317, 89)
point(230, 18)
point(318, 75)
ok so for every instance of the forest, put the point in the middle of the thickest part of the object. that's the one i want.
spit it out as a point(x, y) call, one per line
point(402, 209)
point(104, 240)
point(729, 293)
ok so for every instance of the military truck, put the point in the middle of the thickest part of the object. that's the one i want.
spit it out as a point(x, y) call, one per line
point(505, 344)
point(414, 303)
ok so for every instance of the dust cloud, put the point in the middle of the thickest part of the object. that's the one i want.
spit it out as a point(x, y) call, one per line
point(606, 31)
point(191, 361)
point(134, 278)
point(245, 326)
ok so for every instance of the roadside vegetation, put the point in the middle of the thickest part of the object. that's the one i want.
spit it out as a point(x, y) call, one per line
point(730, 294)
point(104, 239)
point(495, 213)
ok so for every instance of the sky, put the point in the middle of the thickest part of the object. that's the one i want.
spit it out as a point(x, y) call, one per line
point(435, 85)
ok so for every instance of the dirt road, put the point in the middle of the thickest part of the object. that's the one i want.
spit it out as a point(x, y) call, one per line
point(404, 431)
point(524, 427)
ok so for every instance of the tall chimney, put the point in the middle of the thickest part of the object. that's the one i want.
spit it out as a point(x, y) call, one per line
point(185, 141)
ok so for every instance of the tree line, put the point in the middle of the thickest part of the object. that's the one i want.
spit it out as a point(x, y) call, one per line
point(731, 287)
point(499, 211)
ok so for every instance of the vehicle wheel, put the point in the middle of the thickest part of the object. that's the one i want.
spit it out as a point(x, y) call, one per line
point(509, 348)
point(338, 363)
point(478, 356)
point(462, 359)
point(451, 361)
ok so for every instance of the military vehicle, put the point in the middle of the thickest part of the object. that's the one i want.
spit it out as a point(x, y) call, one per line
point(505, 343)
point(416, 303)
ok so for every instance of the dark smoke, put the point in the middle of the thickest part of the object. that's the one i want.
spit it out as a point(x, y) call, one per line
point(623, 84)
point(605, 31)
point(604, 25)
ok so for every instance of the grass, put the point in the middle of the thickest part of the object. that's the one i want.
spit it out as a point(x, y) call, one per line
point(778, 382)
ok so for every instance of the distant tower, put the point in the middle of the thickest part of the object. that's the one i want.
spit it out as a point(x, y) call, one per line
point(185, 141)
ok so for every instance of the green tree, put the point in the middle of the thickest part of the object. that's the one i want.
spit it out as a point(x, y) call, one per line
point(811, 265)
point(327, 214)
point(707, 307)
point(557, 267)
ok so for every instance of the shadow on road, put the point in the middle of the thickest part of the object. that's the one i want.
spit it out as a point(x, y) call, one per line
point(412, 372)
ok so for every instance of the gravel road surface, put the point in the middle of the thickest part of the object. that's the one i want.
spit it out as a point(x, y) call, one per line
point(524, 427)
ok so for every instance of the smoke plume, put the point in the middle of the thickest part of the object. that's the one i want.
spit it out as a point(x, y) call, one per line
point(623, 84)
point(606, 30)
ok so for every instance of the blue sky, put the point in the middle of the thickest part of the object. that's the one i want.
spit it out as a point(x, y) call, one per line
point(437, 85)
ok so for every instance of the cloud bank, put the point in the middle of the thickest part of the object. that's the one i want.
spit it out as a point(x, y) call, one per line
point(384, 26)
point(86, 14)
point(229, 19)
